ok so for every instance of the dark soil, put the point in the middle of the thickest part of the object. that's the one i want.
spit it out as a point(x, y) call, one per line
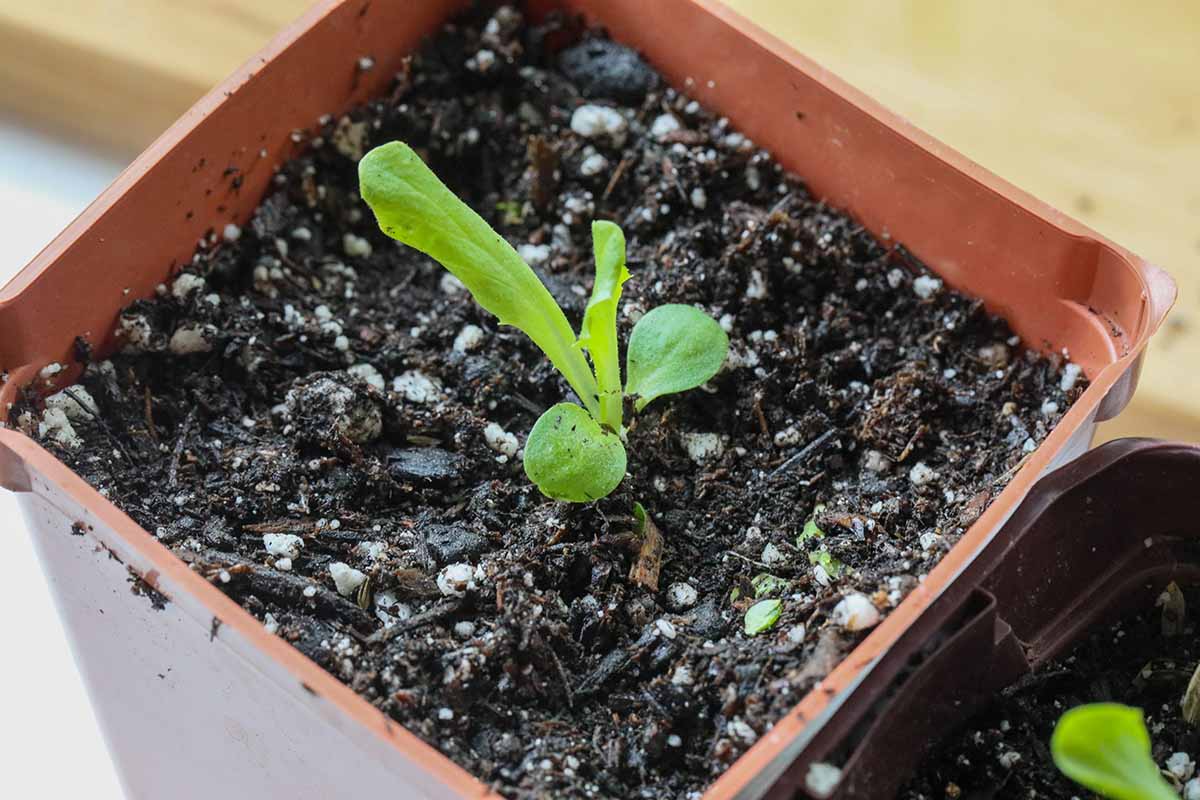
point(853, 382)
point(1003, 753)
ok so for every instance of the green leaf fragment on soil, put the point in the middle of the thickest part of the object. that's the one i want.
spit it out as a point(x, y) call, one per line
point(823, 559)
point(765, 584)
point(762, 616)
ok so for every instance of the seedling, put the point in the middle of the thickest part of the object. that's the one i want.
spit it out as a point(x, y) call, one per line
point(573, 453)
point(1106, 747)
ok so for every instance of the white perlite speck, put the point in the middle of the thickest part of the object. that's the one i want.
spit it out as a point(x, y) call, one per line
point(663, 126)
point(501, 440)
point(701, 447)
point(482, 61)
point(682, 676)
point(468, 339)
point(417, 387)
point(1181, 766)
point(185, 284)
point(369, 374)
point(451, 285)
point(192, 338)
point(1009, 759)
point(926, 286)
point(796, 633)
point(1070, 376)
point(699, 198)
point(77, 404)
point(739, 729)
point(445, 714)
point(1049, 408)
point(56, 427)
point(456, 579)
point(355, 246)
point(286, 545)
point(921, 474)
point(665, 627)
point(136, 330)
point(855, 612)
point(591, 120)
point(464, 629)
point(772, 555)
point(534, 254)
point(372, 551)
point(756, 287)
point(681, 596)
point(1191, 789)
point(822, 779)
point(346, 578)
point(876, 461)
point(593, 164)
point(231, 233)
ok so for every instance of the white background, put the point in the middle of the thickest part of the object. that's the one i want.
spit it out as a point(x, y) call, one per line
point(51, 746)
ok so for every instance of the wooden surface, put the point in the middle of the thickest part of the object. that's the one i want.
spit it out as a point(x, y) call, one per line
point(1092, 107)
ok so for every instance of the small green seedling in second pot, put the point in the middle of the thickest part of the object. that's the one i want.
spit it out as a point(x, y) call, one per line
point(1106, 747)
point(573, 453)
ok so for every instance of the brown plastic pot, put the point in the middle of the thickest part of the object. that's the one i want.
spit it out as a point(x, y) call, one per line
point(239, 707)
point(1085, 547)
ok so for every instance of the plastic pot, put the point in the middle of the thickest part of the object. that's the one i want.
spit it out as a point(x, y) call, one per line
point(1087, 545)
point(200, 689)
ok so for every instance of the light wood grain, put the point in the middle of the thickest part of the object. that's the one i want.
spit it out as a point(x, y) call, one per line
point(1092, 107)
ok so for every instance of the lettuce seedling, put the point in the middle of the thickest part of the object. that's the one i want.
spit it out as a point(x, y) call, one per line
point(573, 453)
point(1106, 747)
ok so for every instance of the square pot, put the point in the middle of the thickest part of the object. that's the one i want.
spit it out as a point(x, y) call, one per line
point(240, 707)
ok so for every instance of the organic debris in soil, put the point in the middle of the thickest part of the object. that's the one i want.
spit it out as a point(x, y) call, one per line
point(329, 420)
point(1004, 751)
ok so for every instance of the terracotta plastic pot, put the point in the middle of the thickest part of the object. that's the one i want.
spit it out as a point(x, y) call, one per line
point(198, 698)
point(1088, 545)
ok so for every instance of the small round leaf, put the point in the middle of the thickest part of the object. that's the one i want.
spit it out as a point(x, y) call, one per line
point(762, 616)
point(570, 457)
point(1106, 747)
point(673, 348)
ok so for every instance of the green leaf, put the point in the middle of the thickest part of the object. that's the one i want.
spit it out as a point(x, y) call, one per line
point(1106, 748)
point(762, 616)
point(570, 457)
point(764, 584)
point(673, 348)
point(599, 332)
point(827, 562)
point(811, 531)
point(412, 205)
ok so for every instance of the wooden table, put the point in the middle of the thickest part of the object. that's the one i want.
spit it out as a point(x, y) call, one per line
point(1093, 107)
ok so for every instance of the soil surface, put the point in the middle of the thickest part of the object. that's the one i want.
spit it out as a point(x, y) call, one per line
point(1003, 753)
point(325, 425)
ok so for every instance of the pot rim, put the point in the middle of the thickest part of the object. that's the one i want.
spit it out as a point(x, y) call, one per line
point(760, 766)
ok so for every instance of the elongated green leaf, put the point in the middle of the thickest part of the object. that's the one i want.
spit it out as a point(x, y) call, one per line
point(762, 616)
point(570, 457)
point(1105, 747)
point(672, 349)
point(412, 205)
point(599, 333)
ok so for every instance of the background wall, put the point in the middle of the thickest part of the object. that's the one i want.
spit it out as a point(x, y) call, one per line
point(1094, 107)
